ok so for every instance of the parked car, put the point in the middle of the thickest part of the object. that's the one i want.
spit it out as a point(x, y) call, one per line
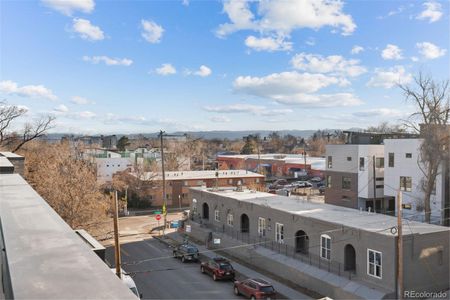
point(316, 179)
point(128, 281)
point(186, 252)
point(279, 183)
point(302, 184)
point(218, 268)
point(254, 289)
point(322, 189)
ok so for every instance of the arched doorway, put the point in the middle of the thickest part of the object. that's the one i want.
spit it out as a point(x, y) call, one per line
point(245, 223)
point(205, 211)
point(301, 242)
point(349, 258)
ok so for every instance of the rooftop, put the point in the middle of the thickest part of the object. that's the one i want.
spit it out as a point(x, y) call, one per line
point(45, 257)
point(199, 175)
point(338, 215)
point(286, 158)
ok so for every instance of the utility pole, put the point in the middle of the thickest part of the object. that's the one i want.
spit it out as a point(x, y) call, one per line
point(374, 185)
point(161, 133)
point(399, 247)
point(259, 153)
point(116, 236)
point(304, 166)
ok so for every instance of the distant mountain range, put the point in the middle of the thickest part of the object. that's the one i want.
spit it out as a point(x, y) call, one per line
point(215, 134)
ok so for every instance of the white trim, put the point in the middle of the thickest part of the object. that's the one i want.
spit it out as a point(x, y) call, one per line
point(262, 227)
point(326, 236)
point(374, 263)
point(279, 239)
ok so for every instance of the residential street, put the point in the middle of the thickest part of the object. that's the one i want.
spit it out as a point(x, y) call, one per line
point(163, 277)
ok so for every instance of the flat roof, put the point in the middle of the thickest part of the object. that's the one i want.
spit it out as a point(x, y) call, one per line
point(46, 258)
point(342, 216)
point(11, 155)
point(199, 175)
point(318, 162)
point(5, 163)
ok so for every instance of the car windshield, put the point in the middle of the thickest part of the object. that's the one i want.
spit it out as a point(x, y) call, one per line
point(192, 250)
point(266, 289)
point(226, 267)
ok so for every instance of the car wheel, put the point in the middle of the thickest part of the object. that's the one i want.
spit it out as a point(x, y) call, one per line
point(236, 291)
point(202, 269)
point(183, 259)
point(214, 277)
point(174, 254)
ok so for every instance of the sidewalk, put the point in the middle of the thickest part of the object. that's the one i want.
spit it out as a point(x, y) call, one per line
point(176, 238)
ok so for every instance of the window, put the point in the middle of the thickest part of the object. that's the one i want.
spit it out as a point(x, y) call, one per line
point(330, 162)
point(379, 162)
point(406, 206)
point(230, 181)
point(261, 226)
point(257, 180)
point(217, 215)
point(328, 181)
point(374, 263)
point(405, 183)
point(349, 158)
point(325, 246)
point(391, 160)
point(230, 219)
point(279, 233)
point(346, 183)
point(345, 198)
point(186, 183)
point(200, 182)
point(408, 155)
point(361, 163)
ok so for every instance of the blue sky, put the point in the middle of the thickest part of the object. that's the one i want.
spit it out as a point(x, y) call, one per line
point(141, 66)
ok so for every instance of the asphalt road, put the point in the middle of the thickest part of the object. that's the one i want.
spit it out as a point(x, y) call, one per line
point(160, 276)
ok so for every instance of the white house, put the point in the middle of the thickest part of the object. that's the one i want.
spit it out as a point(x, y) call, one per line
point(403, 171)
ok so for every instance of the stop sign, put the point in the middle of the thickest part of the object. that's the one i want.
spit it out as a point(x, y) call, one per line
point(158, 217)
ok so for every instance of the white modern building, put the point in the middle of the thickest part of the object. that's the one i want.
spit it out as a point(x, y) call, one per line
point(403, 171)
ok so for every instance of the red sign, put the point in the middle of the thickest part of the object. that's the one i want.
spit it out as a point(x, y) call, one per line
point(158, 217)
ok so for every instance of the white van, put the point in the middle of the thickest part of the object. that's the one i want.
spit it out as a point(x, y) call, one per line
point(126, 278)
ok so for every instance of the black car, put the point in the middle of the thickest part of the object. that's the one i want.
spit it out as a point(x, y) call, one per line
point(186, 252)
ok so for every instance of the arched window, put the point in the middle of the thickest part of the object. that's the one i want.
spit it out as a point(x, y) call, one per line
point(325, 246)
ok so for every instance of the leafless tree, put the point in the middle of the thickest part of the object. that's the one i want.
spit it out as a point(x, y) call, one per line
point(14, 140)
point(431, 120)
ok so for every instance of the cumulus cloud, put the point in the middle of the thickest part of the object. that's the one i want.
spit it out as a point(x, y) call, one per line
point(108, 60)
point(432, 12)
point(318, 100)
point(151, 31)
point(33, 91)
point(203, 71)
point(247, 108)
point(388, 78)
point(430, 51)
point(67, 7)
point(269, 44)
point(166, 69)
point(220, 119)
point(61, 108)
point(333, 64)
point(86, 30)
point(81, 100)
point(356, 49)
point(392, 52)
point(381, 112)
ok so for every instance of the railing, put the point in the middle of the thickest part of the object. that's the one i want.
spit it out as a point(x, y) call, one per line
point(302, 255)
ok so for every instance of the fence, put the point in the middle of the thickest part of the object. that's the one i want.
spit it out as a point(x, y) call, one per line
point(302, 255)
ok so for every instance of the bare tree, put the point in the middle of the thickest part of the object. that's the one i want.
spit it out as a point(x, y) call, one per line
point(431, 120)
point(13, 140)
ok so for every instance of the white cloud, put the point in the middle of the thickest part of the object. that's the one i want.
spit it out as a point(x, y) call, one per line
point(203, 71)
point(108, 60)
point(85, 115)
point(381, 112)
point(248, 108)
point(414, 58)
point(220, 119)
point(282, 17)
point(432, 12)
point(318, 100)
point(392, 52)
point(388, 78)
point(334, 64)
point(166, 69)
point(67, 7)
point(61, 108)
point(357, 49)
point(269, 44)
point(152, 32)
point(81, 100)
point(185, 2)
point(34, 91)
point(283, 83)
point(86, 30)
point(430, 51)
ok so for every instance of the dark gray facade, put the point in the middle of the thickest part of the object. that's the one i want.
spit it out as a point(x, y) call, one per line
point(354, 236)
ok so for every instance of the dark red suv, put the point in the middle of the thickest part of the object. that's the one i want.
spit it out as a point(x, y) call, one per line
point(218, 268)
point(255, 289)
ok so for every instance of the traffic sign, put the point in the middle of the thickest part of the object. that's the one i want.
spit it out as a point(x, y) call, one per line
point(158, 217)
point(157, 212)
